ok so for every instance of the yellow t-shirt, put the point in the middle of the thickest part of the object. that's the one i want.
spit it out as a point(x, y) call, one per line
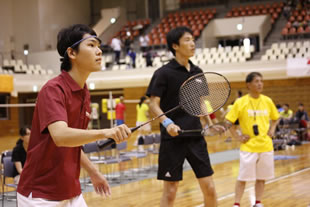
point(244, 110)
point(286, 114)
point(142, 112)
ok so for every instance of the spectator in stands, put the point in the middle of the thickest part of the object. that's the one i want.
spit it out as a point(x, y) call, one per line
point(116, 45)
point(254, 112)
point(280, 108)
point(131, 53)
point(51, 174)
point(120, 109)
point(144, 42)
point(19, 153)
point(296, 24)
point(301, 114)
point(127, 43)
point(148, 55)
point(287, 12)
point(286, 115)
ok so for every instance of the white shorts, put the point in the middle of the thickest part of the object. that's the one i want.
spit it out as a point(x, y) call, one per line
point(146, 127)
point(256, 166)
point(23, 201)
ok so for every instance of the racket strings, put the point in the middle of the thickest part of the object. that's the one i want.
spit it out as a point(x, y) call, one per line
point(204, 94)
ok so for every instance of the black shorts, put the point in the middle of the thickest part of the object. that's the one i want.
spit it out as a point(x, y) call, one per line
point(172, 154)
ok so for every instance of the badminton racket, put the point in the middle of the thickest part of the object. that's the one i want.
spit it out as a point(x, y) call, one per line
point(210, 130)
point(200, 95)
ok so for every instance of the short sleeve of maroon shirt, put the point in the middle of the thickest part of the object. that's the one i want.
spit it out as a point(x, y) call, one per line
point(52, 172)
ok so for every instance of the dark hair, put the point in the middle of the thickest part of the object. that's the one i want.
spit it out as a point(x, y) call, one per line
point(142, 99)
point(287, 105)
point(250, 77)
point(23, 131)
point(301, 104)
point(66, 38)
point(278, 106)
point(174, 36)
point(239, 93)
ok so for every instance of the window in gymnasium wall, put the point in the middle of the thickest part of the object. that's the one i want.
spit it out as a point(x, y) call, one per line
point(4, 111)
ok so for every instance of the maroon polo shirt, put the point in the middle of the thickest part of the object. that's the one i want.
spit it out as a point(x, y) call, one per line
point(52, 172)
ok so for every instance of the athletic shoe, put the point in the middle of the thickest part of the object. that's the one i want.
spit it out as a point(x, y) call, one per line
point(236, 206)
point(258, 205)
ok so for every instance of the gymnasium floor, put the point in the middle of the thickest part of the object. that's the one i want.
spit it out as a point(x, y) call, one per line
point(290, 187)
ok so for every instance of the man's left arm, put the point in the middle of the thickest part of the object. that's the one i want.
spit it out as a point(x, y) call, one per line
point(272, 128)
point(100, 184)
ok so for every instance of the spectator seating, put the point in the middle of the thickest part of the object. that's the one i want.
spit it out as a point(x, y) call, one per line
point(135, 28)
point(196, 20)
point(284, 50)
point(274, 10)
point(18, 67)
point(298, 24)
point(222, 55)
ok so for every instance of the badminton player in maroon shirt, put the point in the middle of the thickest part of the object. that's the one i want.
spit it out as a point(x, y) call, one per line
point(54, 157)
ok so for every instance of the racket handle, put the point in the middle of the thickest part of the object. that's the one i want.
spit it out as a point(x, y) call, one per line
point(111, 141)
point(106, 144)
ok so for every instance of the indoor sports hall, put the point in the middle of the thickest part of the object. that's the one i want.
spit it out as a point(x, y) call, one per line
point(232, 38)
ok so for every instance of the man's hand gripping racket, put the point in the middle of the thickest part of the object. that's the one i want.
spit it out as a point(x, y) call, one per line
point(200, 96)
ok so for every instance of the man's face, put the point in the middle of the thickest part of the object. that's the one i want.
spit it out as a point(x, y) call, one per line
point(27, 136)
point(285, 107)
point(186, 45)
point(257, 85)
point(89, 55)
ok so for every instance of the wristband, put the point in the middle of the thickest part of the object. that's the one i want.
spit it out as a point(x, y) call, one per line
point(167, 122)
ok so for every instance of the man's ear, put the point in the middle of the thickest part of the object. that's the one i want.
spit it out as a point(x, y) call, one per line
point(247, 85)
point(175, 46)
point(71, 53)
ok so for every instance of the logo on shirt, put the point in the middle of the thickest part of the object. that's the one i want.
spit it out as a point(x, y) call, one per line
point(168, 175)
point(252, 112)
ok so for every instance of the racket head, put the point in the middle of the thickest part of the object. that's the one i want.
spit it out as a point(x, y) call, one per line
point(204, 93)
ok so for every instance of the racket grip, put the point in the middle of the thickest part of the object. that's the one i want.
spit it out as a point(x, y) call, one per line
point(111, 141)
point(106, 144)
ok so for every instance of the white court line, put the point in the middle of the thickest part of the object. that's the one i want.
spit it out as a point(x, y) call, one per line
point(268, 182)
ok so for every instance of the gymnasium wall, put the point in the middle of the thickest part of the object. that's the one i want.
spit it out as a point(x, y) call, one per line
point(37, 22)
point(291, 91)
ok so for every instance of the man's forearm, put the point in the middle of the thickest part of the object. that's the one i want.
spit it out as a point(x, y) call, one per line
point(87, 164)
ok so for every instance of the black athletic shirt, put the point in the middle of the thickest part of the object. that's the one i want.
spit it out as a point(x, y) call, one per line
point(165, 83)
point(19, 154)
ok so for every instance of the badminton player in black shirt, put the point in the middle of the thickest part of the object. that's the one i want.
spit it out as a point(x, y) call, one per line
point(174, 149)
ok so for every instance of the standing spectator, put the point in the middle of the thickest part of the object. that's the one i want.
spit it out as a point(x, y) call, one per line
point(127, 44)
point(19, 153)
point(51, 173)
point(143, 116)
point(120, 109)
point(144, 42)
point(148, 55)
point(132, 56)
point(116, 45)
point(254, 112)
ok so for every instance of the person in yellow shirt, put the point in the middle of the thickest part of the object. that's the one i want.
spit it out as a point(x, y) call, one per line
point(286, 115)
point(143, 115)
point(254, 112)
